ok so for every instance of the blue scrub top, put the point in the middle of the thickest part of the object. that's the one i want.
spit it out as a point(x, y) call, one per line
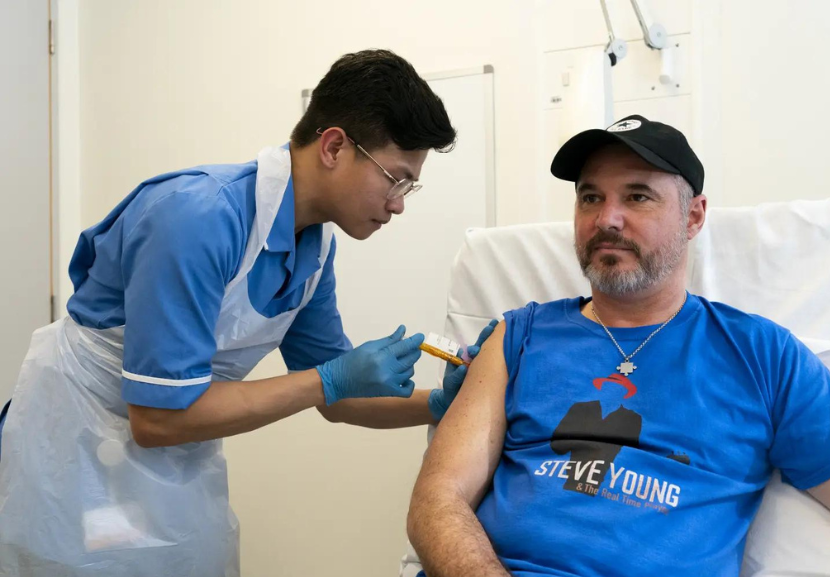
point(159, 264)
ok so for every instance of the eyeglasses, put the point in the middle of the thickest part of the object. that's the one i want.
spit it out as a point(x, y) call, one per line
point(405, 187)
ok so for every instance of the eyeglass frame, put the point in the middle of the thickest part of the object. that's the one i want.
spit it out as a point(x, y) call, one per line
point(399, 184)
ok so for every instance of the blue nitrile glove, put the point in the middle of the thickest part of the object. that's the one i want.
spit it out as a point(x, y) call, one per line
point(440, 399)
point(381, 368)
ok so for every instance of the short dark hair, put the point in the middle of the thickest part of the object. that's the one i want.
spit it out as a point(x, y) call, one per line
point(377, 97)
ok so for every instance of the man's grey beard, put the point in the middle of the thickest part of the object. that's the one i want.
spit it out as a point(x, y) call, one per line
point(651, 268)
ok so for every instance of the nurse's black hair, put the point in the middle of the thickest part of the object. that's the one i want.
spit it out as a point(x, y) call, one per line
point(377, 98)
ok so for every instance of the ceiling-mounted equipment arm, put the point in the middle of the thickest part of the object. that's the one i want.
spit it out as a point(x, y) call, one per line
point(654, 34)
point(616, 47)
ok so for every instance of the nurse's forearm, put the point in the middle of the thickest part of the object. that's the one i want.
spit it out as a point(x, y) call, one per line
point(381, 413)
point(227, 409)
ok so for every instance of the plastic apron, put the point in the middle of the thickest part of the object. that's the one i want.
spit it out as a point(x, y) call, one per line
point(78, 497)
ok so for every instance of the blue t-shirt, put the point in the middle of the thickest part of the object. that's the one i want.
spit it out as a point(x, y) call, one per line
point(658, 473)
point(159, 264)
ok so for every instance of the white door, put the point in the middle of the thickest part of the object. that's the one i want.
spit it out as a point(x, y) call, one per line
point(24, 181)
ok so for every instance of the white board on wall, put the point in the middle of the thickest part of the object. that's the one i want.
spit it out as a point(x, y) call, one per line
point(400, 275)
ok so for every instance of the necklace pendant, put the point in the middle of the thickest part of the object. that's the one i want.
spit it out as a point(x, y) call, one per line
point(626, 368)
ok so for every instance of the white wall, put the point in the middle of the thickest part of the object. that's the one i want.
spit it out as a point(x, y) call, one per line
point(164, 85)
point(220, 79)
point(774, 90)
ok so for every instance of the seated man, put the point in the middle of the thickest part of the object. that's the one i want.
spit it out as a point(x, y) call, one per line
point(632, 432)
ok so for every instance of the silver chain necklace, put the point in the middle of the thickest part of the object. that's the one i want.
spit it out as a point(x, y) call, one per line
point(627, 367)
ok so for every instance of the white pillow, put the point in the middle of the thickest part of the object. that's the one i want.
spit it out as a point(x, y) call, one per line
point(790, 537)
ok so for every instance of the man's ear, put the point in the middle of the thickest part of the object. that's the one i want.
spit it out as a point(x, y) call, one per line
point(697, 216)
point(332, 143)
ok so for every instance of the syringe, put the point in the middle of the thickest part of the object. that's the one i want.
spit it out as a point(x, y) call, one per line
point(443, 348)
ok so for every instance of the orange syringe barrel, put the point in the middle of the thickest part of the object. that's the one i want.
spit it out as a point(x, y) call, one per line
point(436, 352)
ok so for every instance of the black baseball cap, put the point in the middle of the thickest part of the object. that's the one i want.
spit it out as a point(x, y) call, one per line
point(659, 144)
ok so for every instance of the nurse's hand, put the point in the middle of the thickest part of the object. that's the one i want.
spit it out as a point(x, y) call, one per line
point(381, 368)
point(440, 399)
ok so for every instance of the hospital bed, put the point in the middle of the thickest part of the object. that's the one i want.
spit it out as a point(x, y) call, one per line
point(773, 260)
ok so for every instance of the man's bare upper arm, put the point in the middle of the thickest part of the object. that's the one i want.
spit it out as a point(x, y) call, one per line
point(467, 446)
point(821, 493)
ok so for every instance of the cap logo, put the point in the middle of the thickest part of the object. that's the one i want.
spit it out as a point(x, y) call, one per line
point(625, 126)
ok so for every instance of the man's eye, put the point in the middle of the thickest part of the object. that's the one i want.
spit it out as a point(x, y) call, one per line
point(589, 198)
point(639, 197)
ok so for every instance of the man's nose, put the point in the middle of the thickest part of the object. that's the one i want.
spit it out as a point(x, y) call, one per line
point(611, 217)
point(395, 205)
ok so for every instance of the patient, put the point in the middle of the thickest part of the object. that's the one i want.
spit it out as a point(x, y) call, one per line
point(633, 431)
